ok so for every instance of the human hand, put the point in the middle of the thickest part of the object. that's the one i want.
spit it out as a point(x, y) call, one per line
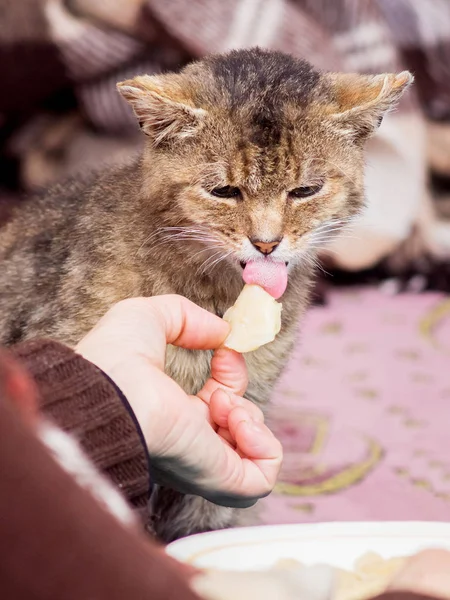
point(214, 444)
point(426, 573)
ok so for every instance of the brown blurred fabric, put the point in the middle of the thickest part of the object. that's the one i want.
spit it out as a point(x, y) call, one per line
point(56, 541)
point(82, 401)
point(398, 595)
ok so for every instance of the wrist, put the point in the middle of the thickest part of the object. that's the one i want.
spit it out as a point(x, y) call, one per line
point(132, 383)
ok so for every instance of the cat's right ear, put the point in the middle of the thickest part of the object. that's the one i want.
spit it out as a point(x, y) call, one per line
point(161, 110)
point(361, 101)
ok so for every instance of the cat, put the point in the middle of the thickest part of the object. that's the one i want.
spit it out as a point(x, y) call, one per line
point(250, 155)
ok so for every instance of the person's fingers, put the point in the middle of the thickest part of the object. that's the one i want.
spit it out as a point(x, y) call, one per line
point(253, 438)
point(228, 371)
point(146, 325)
point(222, 403)
point(260, 455)
point(225, 435)
point(427, 573)
point(187, 325)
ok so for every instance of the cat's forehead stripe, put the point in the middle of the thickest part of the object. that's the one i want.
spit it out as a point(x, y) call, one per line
point(266, 78)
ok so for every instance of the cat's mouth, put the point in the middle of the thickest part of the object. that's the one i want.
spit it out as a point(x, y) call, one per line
point(242, 263)
point(270, 274)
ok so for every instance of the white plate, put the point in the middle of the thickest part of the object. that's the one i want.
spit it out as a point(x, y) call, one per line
point(337, 544)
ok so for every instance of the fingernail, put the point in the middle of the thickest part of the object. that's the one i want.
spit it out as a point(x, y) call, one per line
point(228, 396)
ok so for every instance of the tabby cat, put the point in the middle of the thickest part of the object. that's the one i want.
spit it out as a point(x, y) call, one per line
point(250, 156)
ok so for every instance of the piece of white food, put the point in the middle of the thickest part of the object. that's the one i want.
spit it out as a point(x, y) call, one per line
point(255, 320)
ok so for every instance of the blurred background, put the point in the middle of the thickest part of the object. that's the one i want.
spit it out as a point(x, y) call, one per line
point(60, 112)
point(364, 401)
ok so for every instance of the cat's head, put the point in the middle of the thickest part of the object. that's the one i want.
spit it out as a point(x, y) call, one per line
point(259, 150)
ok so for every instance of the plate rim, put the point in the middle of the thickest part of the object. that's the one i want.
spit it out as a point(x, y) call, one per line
point(204, 542)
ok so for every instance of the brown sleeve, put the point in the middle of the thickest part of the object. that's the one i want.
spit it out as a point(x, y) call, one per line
point(83, 401)
point(403, 595)
point(57, 541)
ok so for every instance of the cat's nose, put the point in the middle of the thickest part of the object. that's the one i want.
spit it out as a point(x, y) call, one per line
point(265, 247)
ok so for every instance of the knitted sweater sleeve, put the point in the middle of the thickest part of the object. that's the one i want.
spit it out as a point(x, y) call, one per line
point(83, 401)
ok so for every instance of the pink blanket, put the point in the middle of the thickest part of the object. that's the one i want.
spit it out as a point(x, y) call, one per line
point(364, 412)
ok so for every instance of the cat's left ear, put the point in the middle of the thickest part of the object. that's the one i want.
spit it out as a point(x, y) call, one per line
point(361, 101)
point(162, 111)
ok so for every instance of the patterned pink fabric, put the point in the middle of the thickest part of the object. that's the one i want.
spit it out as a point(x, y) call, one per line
point(364, 412)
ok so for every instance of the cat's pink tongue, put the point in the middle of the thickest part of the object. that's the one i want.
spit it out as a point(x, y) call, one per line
point(269, 274)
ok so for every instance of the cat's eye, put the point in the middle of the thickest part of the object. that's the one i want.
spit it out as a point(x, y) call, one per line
point(306, 191)
point(227, 191)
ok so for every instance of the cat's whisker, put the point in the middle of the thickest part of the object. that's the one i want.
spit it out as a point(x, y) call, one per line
point(343, 223)
point(204, 266)
point(333, 232)
point(326, 239)
point(332, 223)
point(168, 241)
point(195, 230)
point(187, 230)
point(327, 231)
point(176, 234)
point(217, 261)
point(184, 228)
point(325, 243)
point(308, 260)
point(175, 229)
point(311, 260)
point(208, 249)
point(213, 260)
point(149, 239)
point(146, 241)
point(322, 239)
point(161, 242)
point(176, 237)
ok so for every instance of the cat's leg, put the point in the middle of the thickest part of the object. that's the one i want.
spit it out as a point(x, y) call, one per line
point(175, 515)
